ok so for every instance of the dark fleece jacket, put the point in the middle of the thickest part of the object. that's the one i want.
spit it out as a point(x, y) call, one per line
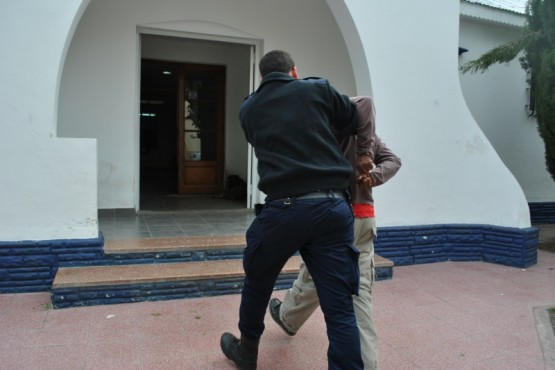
point(294, 126)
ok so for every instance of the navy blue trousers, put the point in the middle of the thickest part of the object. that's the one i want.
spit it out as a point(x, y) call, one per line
point(322, 231)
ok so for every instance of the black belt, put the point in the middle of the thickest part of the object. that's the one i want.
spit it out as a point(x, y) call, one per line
point(315, 195)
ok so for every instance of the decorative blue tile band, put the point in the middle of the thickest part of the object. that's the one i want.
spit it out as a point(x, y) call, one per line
point(30, 266)
point(438, 243)
point(542, 212)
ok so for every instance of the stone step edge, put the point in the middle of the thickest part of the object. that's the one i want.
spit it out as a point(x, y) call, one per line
point(72, 277)
point(121, 246)
point(89, 276)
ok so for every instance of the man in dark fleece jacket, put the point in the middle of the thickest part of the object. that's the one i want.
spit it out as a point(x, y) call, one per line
point(295, 126)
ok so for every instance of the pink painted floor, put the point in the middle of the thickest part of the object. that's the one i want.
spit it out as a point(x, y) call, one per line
point(452, 315)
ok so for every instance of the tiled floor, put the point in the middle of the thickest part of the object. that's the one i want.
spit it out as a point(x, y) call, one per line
point(450, 315)
point(177, 216)
point(192, 223)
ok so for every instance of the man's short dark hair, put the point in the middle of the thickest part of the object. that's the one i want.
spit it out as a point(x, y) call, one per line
point(276, 61)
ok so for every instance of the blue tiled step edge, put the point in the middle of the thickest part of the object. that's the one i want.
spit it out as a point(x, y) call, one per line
point(99, 285)
point(128, 293)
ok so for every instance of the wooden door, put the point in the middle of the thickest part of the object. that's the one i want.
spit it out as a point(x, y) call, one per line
point(201, 129)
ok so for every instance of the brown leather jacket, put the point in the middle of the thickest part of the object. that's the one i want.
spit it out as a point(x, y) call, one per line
point(387, 163)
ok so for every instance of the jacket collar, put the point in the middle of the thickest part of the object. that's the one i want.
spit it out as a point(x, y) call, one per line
point(273, 77)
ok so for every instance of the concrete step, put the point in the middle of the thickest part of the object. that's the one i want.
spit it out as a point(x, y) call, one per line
point(155, 273)
point(182, 249)
point(97, 285)
point(167, 268)
point(160, 245)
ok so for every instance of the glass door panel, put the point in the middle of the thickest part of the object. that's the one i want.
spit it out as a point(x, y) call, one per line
point(201, 143)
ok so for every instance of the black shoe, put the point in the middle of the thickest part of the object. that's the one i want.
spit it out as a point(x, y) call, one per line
point(243, 352)
point(273, 307)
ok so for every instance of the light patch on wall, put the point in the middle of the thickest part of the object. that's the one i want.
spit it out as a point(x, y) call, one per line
point(105, 170)
point(476, 145)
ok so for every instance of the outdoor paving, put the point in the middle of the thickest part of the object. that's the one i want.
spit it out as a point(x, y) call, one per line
point(449, 315)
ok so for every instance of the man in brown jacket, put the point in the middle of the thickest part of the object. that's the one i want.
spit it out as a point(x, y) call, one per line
point(301, 300)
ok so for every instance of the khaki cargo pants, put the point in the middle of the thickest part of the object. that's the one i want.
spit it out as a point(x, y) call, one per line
point(301, 300)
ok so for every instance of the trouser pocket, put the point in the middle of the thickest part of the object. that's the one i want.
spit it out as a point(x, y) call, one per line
point(356, 270)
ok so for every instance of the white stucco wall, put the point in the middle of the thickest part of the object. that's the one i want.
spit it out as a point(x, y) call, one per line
point(99, 96)
point(498, 100)
point(47, 185)
point(451, 173)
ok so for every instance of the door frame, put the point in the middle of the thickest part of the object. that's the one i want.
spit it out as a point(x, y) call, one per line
point(197, 30)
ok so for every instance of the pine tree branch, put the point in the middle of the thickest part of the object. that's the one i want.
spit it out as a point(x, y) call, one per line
point(501, 54)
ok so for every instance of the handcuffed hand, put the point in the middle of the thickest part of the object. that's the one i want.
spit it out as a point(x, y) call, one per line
point(364, 167)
